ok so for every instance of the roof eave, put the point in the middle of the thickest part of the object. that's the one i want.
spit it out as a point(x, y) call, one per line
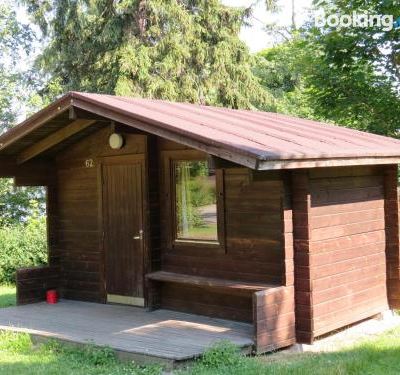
point(149, 126)
point(36, 120)
point(267, 165)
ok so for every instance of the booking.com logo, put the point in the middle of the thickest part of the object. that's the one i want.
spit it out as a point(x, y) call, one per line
point(364, 20)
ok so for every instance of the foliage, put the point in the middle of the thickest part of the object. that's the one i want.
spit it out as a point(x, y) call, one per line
point(346, 47)
point(193, 190)
point(176, 50)
point(17, 204)
point(22, 245)
point(15, 342)
point(338, 75)
point(223, 353)
point(281, 70)
point(19, 356)
point(15, 43)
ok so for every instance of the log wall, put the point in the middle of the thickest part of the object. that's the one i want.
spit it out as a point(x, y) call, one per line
point(254, 230)
point(32, 283)
point(254, 246)
point(392, 235)
point(274, 318)
point(340, 247)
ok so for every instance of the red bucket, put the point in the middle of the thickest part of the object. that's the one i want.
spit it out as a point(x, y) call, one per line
point(51, 296)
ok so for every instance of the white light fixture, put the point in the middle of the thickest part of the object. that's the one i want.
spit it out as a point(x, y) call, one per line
point(116, 141)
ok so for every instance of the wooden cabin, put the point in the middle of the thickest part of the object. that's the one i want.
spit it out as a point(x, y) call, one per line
point(289, 224)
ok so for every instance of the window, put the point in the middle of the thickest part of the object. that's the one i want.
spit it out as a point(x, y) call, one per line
point(195, 201)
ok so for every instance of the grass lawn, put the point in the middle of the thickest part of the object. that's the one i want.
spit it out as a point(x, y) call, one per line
point(377, 355)
point(19, 356)
point(7, 295)
point(380, 355)
point(206, 232)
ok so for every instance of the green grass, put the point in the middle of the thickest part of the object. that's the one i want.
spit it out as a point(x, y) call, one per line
point(19, 356)
point(380, 355)
point(206, 232)
point(7, 295)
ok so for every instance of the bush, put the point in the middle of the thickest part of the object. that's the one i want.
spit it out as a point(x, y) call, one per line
point(222, 353)
point(22, 245)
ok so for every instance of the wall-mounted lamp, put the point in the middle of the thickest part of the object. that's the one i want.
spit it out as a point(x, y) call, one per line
point(116, 141)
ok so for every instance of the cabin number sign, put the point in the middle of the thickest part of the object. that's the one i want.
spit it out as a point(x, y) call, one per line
point(89, 163)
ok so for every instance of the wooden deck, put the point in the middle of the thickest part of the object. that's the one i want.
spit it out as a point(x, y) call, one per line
point(133, 332)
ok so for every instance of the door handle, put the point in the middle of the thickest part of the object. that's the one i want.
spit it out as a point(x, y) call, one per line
point(140, 236)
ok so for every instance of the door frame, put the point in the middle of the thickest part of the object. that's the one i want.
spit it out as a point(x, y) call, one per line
point(116, 160)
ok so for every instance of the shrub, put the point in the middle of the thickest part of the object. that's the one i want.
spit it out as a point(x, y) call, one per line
point(22, 245)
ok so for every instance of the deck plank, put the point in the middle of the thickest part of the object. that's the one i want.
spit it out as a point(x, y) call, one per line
point(161, 333)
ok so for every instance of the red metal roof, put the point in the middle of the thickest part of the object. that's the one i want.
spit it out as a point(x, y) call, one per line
point(260, 140)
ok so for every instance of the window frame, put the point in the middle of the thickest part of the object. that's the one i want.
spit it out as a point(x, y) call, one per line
point(170, 158)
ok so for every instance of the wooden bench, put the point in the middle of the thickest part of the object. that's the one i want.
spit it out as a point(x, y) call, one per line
point(273, 305)
point(211, 282)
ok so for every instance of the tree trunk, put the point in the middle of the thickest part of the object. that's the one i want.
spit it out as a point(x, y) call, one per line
point(141, 18)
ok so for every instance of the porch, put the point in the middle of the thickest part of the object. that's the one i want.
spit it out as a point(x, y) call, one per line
point(134, 333)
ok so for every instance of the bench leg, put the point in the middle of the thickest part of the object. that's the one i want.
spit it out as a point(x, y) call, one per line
point(154, 295)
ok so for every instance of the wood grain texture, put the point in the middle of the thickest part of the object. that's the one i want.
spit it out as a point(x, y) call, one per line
point(205, 281)
point(392, 235)
point(159, 334)
point(79, 218)
point(254, 242)
point(123, 222)
point(32, 283)
point(274, 318)
point(347, 253)
point(301, 206)
point(53, 139)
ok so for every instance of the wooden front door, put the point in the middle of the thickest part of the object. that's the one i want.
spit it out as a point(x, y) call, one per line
point(123, 229)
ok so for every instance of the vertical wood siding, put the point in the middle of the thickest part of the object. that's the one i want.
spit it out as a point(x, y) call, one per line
point(122, 214)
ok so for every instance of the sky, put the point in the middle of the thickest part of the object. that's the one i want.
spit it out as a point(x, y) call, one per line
point(255, 36)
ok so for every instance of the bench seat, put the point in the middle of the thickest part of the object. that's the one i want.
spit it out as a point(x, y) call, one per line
point(211, 282)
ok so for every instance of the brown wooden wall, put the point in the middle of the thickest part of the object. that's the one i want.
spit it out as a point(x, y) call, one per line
point(32, 283)
point(254, 247)
point(254, 230)
point(332, 233)
point(340, 248)
point(274, 318)
point(392, 235)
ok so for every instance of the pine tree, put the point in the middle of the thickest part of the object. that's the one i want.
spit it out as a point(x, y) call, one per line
point(179, 50)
